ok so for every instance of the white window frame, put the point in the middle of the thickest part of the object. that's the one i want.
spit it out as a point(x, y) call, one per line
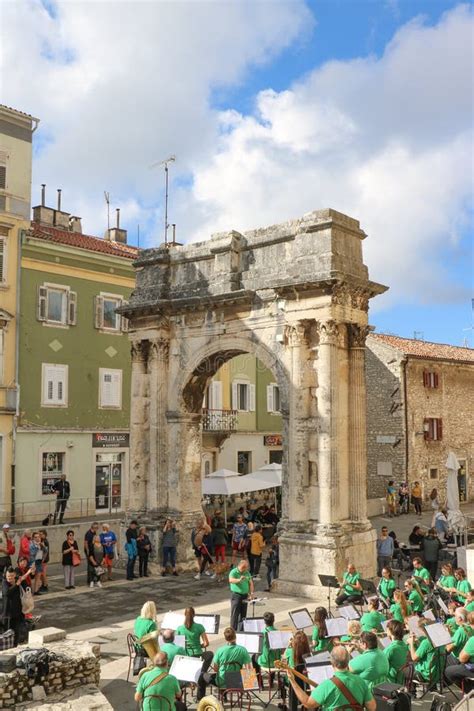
point(68, 306)
point(46, 400)
point(120, 321)
point(114, 372)
point(250, 395)
point(271, 388)
point(57, 475)
point(3, 260)
point(2, 355)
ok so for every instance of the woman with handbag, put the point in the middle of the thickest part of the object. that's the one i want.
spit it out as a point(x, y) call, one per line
point(94, 562)
point(12, 614)
point(71, 559)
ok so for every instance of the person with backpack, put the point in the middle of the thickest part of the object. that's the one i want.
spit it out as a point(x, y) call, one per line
point(159, 682)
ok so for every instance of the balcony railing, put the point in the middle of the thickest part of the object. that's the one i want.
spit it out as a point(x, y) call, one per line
point(219, 420)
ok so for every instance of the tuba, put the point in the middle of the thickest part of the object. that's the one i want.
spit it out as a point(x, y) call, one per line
point(210, 703)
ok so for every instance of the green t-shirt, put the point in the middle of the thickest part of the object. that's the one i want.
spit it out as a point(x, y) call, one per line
point(328, 696)
point(452, 625)
point(371, 665)
point(289, 655)
point(447, 581)
point(371, 620)
point(470, 606)
point(193, 638)
point(231, 657)
point(397, 656)
point(397, 613)
point(320, 644)
point(416, 601)
point(387, 587)
point(243, 587)
point(167, 687)
point(172, 650)
point(460, 637)
point(268, 656)
point(469, 649)
point(425, 576)
point(143, 626)
point(349, 580)
point(463, 586)
point(428, 658)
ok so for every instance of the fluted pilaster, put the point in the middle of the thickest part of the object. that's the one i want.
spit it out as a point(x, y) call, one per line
point(357, 423)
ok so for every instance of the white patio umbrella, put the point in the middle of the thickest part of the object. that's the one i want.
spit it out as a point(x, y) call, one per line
point(455, 517)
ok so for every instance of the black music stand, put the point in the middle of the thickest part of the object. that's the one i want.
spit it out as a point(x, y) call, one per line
point(329, 581)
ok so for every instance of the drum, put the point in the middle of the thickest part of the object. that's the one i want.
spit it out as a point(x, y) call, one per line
point(150, 643)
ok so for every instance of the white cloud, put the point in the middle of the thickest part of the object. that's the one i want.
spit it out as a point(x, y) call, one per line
point(387, 140)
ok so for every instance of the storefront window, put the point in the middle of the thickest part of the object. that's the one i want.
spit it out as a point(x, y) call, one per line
point(52, 466)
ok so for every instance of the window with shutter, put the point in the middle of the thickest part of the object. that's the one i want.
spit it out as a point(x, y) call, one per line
point(110, 388)
point(57, 305)
point(251, 390)
point(2, 351)
point(269, 398)
point(106, 316)
point(433, 429)
point(3, 177)
point(54, 385)
point(216, 395)
point(273, 398)
point(72, 308)
point(3, 260)
point(235, 403)
point(42, 301)
point(430, 379)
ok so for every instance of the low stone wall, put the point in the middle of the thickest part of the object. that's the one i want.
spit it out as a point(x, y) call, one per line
point(81, 667)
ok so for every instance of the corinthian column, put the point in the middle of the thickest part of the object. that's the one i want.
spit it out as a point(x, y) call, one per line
point(157, 489)
point(357, 423)
point(139, 445)
point(327, 395)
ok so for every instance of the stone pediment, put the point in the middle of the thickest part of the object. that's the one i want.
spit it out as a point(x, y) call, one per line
point(5, 318)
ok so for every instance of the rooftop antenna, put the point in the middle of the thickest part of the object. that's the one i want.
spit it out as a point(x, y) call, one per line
point(170, 159)
point(107, 200)
point(418, 335)
point(471, 327)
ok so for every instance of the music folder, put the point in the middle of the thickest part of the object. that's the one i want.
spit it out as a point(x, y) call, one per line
point(186, 668)
point(210, 623)
point(243, 679)
point(253, 624)
point(279, 639)
point(301, 618)
point(348, 611)
point(312, 660)
point(320, 673)
point(438, 635)
point(172, 620)
point(252, 641)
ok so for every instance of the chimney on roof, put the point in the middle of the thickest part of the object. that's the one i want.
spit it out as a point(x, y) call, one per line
point(49, 216)
point(116, 234)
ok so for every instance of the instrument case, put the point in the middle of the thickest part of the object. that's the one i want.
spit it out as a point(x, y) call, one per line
point(391, 697)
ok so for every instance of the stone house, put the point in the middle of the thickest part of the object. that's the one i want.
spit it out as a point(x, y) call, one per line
point(420, 406)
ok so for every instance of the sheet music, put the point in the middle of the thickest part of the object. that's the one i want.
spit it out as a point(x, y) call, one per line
point(179, 640)
point(438, 635)
point(384, 624)
point(348, 612)
point(384, 641)
point(412, 623)
point(254, 624)
point(172, 620)
point(210, 623)
point(251, 641)
point(320, 658)
point(337, 626)
point(429, 615)
point(279, 639)
point(186, 668)
point(319, 674)
point(443, 605)
point(301, 619)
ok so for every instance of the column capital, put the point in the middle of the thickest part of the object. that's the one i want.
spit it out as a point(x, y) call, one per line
point(328, 332)
point(295, 334)
point(139, 351)
point(354, 296)
point(357, 335)
point(159, 349)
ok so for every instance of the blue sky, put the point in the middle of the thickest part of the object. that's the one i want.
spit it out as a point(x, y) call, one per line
point(273, 108)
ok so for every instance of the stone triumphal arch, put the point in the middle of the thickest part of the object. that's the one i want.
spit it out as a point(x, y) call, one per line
point(295, 295)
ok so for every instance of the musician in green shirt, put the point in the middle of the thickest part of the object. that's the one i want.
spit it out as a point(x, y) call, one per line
point(230, 657)
point(446, 580)
point(167, 687)
point(195, 633)
point(387, 586)
point(268, 656)
point(464, 670)
point(320, 642)
point(413, 596)
point(463, 586)
point(470, 601)
point(372, 619)
point(421, 575)
point(428, 661)
point(328, 695)
point(372, 665)
point(396, 652)
point(169, 647)
point(462, 633)
point(351, 589)
point(401, 609)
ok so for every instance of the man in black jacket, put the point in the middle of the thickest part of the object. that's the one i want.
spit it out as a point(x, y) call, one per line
point(12, 613)
point(62, 489)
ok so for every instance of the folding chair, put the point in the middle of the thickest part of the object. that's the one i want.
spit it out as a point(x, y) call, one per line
point(235, 698)
point(164, 704)
point(132, 644)
point(436, 675)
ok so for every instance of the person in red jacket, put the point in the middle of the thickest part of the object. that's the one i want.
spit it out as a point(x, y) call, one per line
point(25, 541)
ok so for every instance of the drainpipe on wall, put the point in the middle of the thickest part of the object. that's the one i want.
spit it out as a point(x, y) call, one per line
point(405, 400)
point(17, 369)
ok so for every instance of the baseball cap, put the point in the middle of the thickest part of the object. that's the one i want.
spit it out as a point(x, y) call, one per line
point(6, 525)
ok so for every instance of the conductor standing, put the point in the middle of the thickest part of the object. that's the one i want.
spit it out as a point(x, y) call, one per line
point(241, 588)
point(62, 490)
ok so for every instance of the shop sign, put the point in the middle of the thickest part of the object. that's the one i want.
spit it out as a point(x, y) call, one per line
point(111, 440)
point(274, 440)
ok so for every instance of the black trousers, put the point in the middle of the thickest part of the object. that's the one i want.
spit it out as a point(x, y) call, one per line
point(255, 562)
point(344, 597)
point(456, 672)
point(205, 678)
point(143, 564)
point(238, 610)
point(432, 567)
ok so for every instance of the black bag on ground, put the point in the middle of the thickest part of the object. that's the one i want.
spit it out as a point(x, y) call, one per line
point(391, 697)
point(7, 663)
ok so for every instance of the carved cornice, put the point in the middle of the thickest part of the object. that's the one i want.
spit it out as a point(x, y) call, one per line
point(355, 297)
point(357, 335)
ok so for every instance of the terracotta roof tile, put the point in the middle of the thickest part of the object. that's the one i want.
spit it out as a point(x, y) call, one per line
point(81, 241)
point(426, 349)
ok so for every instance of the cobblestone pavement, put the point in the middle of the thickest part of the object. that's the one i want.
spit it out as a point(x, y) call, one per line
point(106, 615)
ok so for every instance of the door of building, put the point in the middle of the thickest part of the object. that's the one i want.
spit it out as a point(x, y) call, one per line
point(108, 481)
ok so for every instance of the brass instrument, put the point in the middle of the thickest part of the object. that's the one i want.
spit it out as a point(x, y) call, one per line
point(150, 644)
point(209, 703)
point(283, 666)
